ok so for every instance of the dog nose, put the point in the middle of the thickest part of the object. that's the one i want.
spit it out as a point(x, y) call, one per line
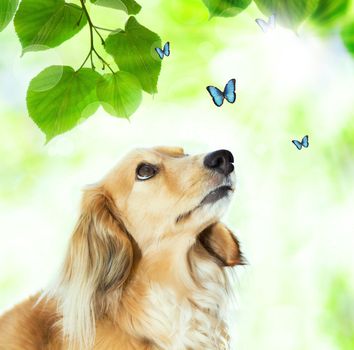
point(220, 161)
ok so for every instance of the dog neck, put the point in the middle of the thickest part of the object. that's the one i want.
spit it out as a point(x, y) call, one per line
point(176, 297)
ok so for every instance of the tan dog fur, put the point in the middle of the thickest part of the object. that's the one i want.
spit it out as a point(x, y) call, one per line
point(144, 267)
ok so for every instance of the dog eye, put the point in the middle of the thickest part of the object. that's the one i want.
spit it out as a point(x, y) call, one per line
point(145, 171)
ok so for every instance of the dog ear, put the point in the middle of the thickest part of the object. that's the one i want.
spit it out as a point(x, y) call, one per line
point(222, 245)
point(98, 263)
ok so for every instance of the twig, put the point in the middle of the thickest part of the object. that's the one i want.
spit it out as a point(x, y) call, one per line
point(92, 46)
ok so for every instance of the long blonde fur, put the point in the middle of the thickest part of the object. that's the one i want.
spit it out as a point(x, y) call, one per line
point(98, 262)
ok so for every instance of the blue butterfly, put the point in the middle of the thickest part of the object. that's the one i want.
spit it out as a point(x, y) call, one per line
point(266, 26)
point(304, 142)
point(229, 93)
point(165, 51)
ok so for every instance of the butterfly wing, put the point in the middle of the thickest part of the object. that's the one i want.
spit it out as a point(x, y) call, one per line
point(263, 25)
point(159, 52)
point(166, 49)
point(229, 91)
point(297, 143)
point(305, 141)
point(271, 21)
point(216, 94)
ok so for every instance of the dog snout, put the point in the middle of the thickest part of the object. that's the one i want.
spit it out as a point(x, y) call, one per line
point(220, 161)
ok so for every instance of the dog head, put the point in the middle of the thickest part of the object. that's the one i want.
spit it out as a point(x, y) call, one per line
point(151, 195)
point(164, 192)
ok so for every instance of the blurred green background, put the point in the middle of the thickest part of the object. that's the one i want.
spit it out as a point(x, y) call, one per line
point(293, 211)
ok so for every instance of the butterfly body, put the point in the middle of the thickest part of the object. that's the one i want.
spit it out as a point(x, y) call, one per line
point(229, 93)
point(304, 142)
point(266, 26)
point(165, 51)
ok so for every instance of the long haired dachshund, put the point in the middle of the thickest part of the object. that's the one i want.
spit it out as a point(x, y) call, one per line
point(145, 264)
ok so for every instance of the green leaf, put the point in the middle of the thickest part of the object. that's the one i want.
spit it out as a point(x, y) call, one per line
point(347, 34)
point(131, 7)
point(59, 98)
point(120, 93)
point(329, 11)
point(7, 11)
point(43, 24)
point(134, 51)
point(226, 8)
point(290, 13)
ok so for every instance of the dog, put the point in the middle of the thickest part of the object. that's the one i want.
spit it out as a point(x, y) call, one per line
point(145, 266)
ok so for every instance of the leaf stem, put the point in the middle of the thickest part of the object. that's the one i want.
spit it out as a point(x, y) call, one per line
point(92, 28)
point(99, 34)
point(85, 60)
point(106, 29)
